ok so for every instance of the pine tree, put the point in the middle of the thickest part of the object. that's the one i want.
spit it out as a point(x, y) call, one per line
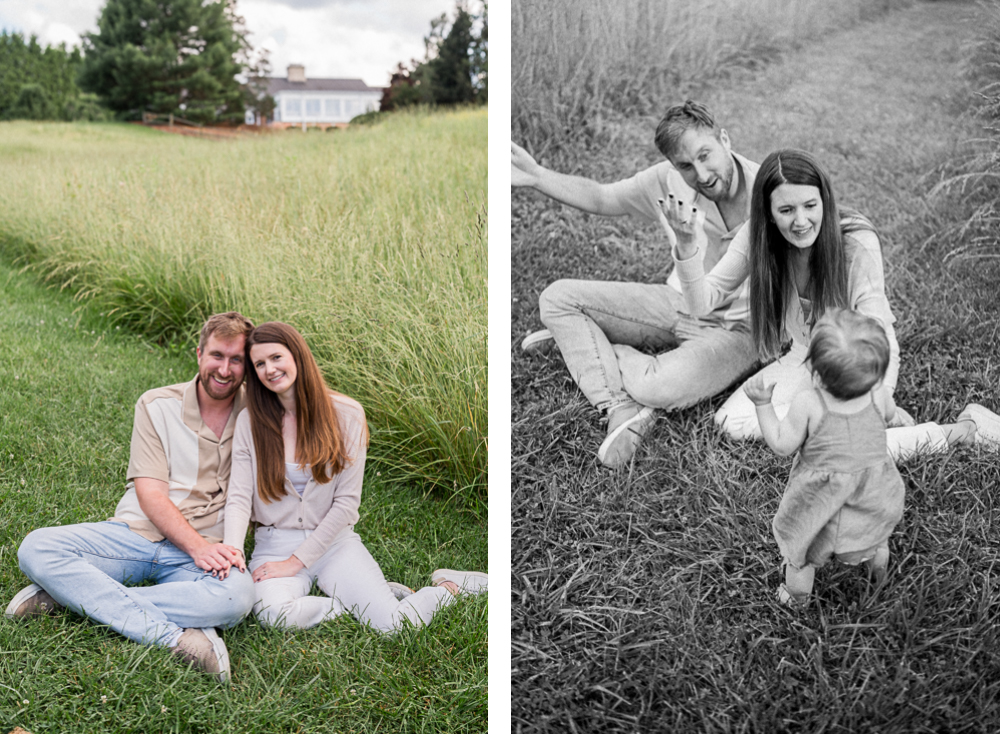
point(454, 70)
point(178, 57)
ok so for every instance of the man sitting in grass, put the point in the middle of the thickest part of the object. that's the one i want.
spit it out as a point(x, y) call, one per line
point(598, 325)
point(167, 527)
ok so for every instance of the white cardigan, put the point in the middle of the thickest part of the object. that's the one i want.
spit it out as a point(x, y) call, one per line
point(327, 509)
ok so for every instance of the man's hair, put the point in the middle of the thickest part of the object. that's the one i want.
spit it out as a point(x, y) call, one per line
point(678, 120)
point(849, 352)
point(226, 326)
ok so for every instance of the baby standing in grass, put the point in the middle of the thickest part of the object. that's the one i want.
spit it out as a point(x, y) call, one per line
point(844, 495)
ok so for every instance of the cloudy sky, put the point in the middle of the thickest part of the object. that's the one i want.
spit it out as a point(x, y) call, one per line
point(333, 38)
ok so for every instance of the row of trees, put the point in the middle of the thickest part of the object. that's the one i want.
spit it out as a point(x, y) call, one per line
point(40, 83)
point(193, 59)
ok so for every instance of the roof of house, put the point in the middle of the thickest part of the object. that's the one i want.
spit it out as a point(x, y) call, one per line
point(281, 84)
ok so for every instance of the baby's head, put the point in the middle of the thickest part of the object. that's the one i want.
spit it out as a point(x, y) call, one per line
point(849, 352)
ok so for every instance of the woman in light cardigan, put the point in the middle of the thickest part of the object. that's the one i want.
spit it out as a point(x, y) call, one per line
point(298, 464)
point(802, 256)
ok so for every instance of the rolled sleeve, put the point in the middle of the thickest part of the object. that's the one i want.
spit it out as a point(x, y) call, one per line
point(147, 457)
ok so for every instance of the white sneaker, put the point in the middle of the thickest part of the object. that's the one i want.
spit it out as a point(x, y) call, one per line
point(399, 591)
point(538, 343)
point(468, 582)
point(205, 650)
point(32, 601)
point(987, 424)
point(620, 444)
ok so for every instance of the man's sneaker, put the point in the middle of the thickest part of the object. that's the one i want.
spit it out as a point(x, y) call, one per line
point(399, 590)
point(624, 438)
point(468, 582)
point(32, 601)
point(987, 424)
point(205, 650)
point(538, 343)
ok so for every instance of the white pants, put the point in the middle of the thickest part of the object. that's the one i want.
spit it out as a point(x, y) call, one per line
point(347, 574)
point(738, 415)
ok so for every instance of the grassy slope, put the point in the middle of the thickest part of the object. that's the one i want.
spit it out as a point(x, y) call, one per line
point(643, 598)
point(68, 385)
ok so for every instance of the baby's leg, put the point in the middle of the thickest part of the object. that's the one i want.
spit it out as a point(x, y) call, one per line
point(799, 581)
point(879, 563)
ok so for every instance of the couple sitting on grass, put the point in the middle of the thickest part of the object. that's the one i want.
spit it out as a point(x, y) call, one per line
point(293, 461)
point(763, 258)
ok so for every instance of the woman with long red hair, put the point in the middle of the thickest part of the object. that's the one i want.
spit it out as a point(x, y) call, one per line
point(298, 465)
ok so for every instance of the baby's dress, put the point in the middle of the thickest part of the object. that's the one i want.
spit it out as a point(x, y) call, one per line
point(844, 494)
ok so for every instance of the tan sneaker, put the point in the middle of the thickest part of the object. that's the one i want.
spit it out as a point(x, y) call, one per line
point(205, 650)
point(538, 343)
point(624, 438)
point(32, 601)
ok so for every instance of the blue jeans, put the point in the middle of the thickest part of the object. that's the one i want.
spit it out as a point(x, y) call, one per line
point(85, 568)
point(597, 326)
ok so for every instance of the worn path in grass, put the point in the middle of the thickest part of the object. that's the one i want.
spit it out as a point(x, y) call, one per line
point(642, 599)
point(68, 385)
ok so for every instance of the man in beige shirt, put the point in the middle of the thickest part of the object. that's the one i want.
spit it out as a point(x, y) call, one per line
point(167, 527)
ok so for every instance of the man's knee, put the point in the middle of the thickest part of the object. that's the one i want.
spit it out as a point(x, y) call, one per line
point(234, 597)
point(557, 298)
point(35, 548)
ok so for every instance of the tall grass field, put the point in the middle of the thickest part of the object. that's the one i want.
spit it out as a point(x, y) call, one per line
point(372, 242)
point(574, 61)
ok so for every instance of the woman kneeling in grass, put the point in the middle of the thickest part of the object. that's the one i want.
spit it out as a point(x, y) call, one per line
point(298, 465)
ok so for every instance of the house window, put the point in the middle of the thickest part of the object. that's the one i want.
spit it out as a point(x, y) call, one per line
point(293, 108)
point(312, 108)
point(332, 108)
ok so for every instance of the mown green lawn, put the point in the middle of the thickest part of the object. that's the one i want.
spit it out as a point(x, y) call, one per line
point(69, 380)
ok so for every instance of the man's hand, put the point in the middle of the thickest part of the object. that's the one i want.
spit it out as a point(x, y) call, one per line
point(758, 391)
point(523, 168)
point(684, 225)
point(278, 569)
point(217, 558)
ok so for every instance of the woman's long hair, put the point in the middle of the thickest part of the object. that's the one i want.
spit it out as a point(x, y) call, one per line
point(318, 439)
point(771, 284)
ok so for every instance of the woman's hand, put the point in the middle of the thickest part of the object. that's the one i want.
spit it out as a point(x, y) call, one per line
point(758, 391)
point(684, 225)
point(238, 561)
point(278, 569)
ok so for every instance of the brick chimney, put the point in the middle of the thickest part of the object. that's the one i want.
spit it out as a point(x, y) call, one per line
point(296, 73)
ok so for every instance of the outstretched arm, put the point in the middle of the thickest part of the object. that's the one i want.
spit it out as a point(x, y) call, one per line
point(576, 191)
point(784, 437)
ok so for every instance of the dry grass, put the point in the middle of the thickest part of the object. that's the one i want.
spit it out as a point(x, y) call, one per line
point(574, 61)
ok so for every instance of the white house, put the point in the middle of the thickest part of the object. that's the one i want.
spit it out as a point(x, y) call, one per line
point(320, 101)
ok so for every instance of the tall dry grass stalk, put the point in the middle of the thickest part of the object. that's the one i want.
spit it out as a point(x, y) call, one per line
point(371, 242)
point(573, 59)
